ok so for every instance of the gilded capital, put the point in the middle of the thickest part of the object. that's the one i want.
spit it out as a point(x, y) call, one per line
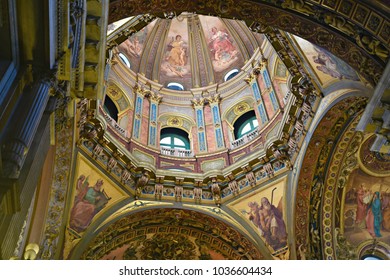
point(215, 98)
point(155, 97)
point(198, 101)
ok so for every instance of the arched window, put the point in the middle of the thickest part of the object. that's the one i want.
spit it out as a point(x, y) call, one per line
point(229, 75)
point(245, 124)
point(110, 108)
point(124, 59)
point(175, 86)
point(371, 258)
point(174, 138)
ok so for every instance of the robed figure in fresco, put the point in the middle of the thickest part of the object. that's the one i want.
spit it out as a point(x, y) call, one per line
point(221, 46)
point(374, 216)
point(269, 220)
point(361, 209)
point(331, 65)
point(177, 52)
point(88, 201)
point(176, 62)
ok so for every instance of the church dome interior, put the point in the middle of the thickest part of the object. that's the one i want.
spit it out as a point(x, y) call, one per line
point(187, 130)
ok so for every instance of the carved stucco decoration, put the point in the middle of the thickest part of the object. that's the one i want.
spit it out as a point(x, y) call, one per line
point(363, 46)
point(345, 155)
point(373, 162)
point(312, 175)
point(63, 157)
point(214, 232)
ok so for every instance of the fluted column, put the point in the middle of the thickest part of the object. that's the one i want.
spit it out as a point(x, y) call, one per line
point(22, 130)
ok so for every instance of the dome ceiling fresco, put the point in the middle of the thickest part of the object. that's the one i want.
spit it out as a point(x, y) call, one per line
point(192, 50)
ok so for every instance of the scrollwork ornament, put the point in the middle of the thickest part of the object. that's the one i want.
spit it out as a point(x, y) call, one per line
point(351, 161)
point(56, 206)
point(344, 250)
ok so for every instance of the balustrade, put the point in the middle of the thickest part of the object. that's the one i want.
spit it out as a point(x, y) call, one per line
point(176, 152)
point(245, 139)
point(113, 123)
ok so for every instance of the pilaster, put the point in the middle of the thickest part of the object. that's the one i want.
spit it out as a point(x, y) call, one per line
point(198, 104)
point(214, 101)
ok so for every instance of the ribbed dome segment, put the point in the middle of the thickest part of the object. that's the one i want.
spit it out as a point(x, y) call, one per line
point(192, 50)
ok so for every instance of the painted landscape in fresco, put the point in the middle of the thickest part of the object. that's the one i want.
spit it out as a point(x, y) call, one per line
point(367, 208)
point(264, 210)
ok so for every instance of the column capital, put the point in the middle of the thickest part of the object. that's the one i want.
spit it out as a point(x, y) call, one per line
point(198, 102)
point(263, 63)
point(214, 98)
point(155, 97)
point(141, 90)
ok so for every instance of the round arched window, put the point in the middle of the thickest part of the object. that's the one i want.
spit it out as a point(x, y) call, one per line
point(124, 59)
point(231, 74)
point(245, 124)
point(175, 86)
point(174, 138)
point(110, 107)
point(371, 258)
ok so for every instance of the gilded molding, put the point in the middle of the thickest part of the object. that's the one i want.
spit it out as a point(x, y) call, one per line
point(50, 240)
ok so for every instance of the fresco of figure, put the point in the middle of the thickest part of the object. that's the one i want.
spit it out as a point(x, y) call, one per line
point(269, 220)
point(88, 202)
point(177, 53)
point(361, 209)
point(221, 46)
point(386, 210)
point(374, 216)
point(331, 65)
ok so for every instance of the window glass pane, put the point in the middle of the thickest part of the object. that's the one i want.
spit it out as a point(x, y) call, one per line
point(124, 59)
point(371, 258)
point(175, 86)
point(231, 74)
point(174, 138)
point(166, 141)
point(246, 128)
point(178, 142)
point(255, 123)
